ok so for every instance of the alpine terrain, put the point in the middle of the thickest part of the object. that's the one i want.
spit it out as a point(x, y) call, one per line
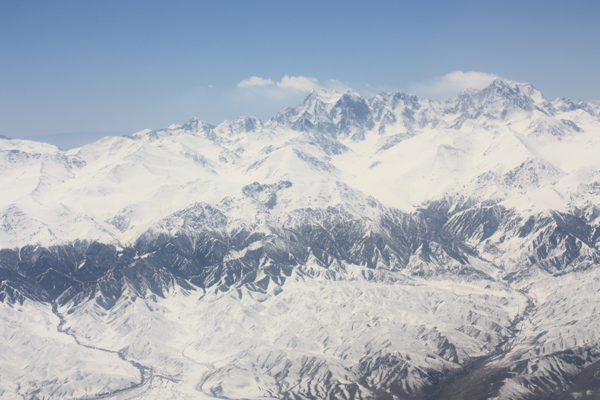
point(349, 248)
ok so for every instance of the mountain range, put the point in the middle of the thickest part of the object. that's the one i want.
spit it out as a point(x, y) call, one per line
point(393, 247)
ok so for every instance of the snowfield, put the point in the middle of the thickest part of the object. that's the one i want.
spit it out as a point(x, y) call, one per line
point(385, 248)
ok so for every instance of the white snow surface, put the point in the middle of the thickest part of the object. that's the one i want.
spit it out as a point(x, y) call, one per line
point(317, 334)
point(37, 361)
point(237, 344)
point(506, 142)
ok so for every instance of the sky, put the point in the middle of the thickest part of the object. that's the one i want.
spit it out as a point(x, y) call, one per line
point(72, 71)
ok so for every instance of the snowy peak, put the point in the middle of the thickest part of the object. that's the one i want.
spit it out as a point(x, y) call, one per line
point(200, 128)
point(238, 126)
point(194, 125)
point(552, 127)
point(400, 149)
point(325, 96)
point(312, 114)
point(29, 146)
point(347, 114)
point(329, 112)
point(352, 116)
point(397, 102)
point(398, 112)
point(508, 90)
point(398, 115)
point(500, 100)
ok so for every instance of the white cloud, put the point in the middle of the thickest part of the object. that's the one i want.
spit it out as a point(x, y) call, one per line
point(255, 81)
point(336, 85)
point(452, 84)
point(302, 83)
point(291, 84)
point(264, 97)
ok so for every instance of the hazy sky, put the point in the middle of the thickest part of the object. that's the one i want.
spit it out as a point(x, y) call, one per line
point(121, 66)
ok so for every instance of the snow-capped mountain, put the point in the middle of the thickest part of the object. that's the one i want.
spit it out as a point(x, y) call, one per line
point(385, 248)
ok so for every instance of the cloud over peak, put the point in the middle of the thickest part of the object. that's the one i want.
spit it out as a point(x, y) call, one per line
point(291, 83)
point(438, 88)
point(303, 83)
point(255, 81)
point(453, 83)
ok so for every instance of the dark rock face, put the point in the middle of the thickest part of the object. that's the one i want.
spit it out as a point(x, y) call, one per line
point(191, 249)
point(197, 251)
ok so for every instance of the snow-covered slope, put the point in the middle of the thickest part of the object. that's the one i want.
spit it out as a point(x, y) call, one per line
point(391, 247)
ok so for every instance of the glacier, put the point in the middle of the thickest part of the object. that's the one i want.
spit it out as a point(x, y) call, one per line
point(393, 247)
